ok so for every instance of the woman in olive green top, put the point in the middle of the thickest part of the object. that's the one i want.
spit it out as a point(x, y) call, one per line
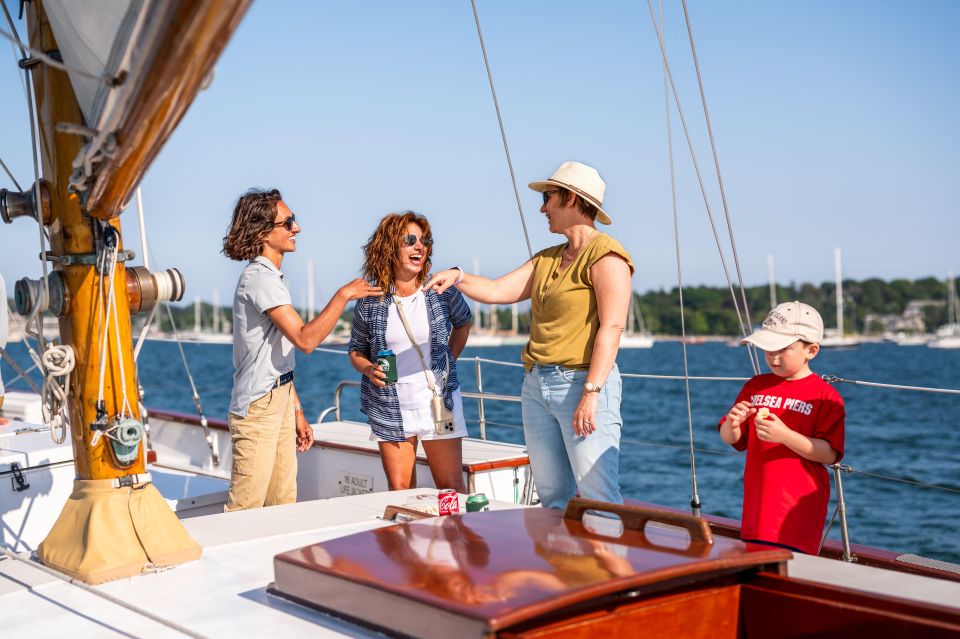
point(579, 293)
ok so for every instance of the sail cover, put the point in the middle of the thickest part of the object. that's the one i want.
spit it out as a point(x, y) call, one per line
point(92, 37)
point(106, 44)
point(135, 67)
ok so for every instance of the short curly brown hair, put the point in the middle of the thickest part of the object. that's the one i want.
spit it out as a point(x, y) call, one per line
point(382, 251)
point(586, 208)
point(253, 218)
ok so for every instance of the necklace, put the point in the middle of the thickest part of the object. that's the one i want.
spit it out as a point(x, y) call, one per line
point(586, 241)
point(404, 291)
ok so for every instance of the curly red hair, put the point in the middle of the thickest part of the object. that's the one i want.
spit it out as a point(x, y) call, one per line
point(381, 253)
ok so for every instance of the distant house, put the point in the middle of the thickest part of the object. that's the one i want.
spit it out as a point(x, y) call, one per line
point(910, 321)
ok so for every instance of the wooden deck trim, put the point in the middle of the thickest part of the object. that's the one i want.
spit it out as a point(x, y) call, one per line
point(187, 418)
point(832, 549)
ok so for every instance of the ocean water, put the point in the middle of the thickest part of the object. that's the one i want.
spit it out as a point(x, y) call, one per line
point(896, 441)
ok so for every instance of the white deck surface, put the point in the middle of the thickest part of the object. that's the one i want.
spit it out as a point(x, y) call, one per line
point(221, 595)
point(875, 580)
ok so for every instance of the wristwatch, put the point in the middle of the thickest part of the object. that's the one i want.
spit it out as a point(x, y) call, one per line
point(590, 387)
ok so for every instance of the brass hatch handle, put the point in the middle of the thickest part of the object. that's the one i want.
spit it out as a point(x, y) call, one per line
point(636, 517)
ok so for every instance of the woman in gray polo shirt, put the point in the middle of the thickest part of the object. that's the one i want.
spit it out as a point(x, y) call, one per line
point(266, 420)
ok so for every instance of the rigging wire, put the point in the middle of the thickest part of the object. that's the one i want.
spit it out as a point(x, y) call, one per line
point(727, 453)
point(146, 265)
point(103, 79)
point(695, 503)
point(703, 191)
point(10, 175)
point(503, 132)
point(831, 379)
point(723, 192)
point(36, 168)
point(21, 374)
point(214, 456)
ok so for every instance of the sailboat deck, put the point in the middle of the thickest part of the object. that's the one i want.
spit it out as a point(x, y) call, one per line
point(225, 592)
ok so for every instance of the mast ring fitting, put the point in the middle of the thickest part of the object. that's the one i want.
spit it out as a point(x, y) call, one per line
point(84, 259)
point(30, 297)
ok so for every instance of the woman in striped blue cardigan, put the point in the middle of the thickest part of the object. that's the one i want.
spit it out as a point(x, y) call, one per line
point(397, 258)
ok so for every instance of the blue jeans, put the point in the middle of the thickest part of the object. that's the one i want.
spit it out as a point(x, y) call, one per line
point(562, 463)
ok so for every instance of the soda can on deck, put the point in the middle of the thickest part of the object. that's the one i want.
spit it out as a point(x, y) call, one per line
point(477, 502)
point(448, 502)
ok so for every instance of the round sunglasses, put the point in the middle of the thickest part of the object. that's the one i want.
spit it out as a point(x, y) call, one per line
point(411, 240)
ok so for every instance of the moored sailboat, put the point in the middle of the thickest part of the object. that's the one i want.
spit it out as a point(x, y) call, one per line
point(948, 335)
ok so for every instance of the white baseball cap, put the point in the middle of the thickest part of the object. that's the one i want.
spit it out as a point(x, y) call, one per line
point(785, 324)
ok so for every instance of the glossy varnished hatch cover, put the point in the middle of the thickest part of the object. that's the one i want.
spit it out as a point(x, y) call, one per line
point(474, 574)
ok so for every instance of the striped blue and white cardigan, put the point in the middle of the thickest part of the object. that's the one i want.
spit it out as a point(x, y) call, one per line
point(380, 404)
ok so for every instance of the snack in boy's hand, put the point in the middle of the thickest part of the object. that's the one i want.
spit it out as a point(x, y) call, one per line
point(763, 413)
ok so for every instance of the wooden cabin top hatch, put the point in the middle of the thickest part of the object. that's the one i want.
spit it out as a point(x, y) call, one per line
point(473, 574)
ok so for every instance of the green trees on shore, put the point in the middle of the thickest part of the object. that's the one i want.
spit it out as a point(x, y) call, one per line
point(710, 311)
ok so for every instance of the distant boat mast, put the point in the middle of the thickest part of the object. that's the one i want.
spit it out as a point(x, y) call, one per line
point(310, 294)
point(773, 282)
point(837, 269)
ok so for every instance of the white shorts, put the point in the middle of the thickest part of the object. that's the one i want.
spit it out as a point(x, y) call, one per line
point(418, 422)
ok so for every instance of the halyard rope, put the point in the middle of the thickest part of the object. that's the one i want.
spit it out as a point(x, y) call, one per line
point(503, 132)
point(744, 323)
point(723, 191)
point(695, 496)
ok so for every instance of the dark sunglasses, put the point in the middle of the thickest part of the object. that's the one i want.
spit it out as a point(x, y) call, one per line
point(411, 240)
point(287, 223)
point(547, 194)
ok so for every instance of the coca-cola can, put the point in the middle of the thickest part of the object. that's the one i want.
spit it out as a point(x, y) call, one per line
point(448, 502)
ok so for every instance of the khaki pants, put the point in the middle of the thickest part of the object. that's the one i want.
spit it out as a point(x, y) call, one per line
point(264, 453)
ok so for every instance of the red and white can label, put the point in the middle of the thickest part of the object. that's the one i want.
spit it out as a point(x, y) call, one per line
point(448, 501)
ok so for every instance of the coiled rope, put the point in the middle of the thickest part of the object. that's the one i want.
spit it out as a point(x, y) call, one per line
point(58, 362)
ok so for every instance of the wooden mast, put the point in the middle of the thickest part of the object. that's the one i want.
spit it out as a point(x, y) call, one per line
point(115, 524)
point(71, 233)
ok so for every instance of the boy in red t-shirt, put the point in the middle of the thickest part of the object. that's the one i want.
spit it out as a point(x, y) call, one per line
point(790, 423)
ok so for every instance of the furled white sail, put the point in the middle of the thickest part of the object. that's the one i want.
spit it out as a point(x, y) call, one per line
point(135, 67)
point(92, 37)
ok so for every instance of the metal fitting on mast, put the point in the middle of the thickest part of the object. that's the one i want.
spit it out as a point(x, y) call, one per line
point(30, 296)
point(145, 289)
point(14, 204)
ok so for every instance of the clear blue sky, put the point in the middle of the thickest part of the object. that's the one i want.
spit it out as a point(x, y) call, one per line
point(836, 125)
